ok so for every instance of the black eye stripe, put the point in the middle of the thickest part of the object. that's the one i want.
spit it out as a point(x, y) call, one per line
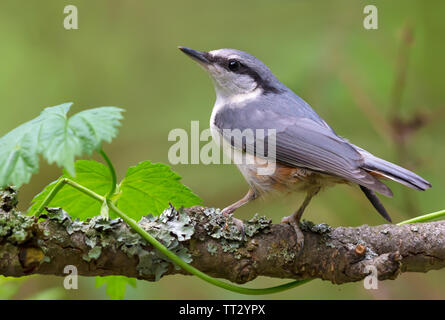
point(243, 69)
point(224, 63)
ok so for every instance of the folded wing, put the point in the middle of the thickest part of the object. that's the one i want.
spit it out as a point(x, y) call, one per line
point(300, 142)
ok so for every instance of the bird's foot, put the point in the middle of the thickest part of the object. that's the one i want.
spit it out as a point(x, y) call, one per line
point(295, 224)
point(227, 212)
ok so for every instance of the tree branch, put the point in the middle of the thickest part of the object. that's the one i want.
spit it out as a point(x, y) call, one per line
point(203, 236)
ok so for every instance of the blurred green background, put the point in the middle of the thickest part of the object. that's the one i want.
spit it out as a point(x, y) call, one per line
point(125, 54)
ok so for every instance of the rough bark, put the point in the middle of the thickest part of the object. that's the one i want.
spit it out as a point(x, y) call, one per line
point(214, 245)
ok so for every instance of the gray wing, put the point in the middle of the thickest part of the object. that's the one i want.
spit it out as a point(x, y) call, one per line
point(302, 140)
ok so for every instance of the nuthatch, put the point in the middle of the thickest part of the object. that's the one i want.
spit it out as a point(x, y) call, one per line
point(309, 155)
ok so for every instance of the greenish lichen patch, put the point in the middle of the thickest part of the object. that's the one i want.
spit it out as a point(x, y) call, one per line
point(171, 228)
point(321, 228)
point(75, 226)
point(93, 254)
point(329, 244)
point(281, 252)
point(8, 199)
point(212, 248)
point(101, 224)
point(149, 264)
point(183, 253)
point(15, 227)
point(221, 226)
point(232, 237)
point(256, 224)
point(230, 246)
point(178, 222)
point(91, 241)
point(56, 214)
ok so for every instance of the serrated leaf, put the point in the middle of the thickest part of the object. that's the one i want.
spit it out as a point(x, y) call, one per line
point(58, 138)
point(63, 139)
point(149, 187)
point(19, 154)
point(90, 174)
point(115, 285)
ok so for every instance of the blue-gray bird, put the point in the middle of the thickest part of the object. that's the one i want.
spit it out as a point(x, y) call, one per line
point(309, 155)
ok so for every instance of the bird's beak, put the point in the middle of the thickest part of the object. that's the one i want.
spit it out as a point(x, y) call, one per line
point(196, 55)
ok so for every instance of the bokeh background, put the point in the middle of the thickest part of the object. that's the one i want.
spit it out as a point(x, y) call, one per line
point(382, 89)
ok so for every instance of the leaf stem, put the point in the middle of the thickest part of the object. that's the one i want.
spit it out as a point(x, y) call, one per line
point(59, 185)
point(112, 171)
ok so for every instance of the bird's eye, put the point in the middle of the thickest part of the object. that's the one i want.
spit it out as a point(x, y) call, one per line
point(234, 65)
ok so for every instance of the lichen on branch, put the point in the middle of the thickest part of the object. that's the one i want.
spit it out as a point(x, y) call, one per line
point(212, 243)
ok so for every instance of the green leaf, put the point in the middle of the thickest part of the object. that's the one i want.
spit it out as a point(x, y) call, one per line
point(9, 286)
point(149, 187)
point(116, 285)
point(90, 174)
point(63, 139)
point(58, 138)
point(19, 154)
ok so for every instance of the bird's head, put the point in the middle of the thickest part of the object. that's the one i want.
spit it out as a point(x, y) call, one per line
point(235, 73)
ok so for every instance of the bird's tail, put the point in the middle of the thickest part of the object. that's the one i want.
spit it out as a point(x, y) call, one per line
point(372, 197)
point(385, 169)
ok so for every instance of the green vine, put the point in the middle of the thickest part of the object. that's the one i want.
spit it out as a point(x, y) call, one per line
point(155, 243)
point(424, 218)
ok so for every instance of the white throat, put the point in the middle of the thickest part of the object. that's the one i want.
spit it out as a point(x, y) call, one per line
point(236, 100)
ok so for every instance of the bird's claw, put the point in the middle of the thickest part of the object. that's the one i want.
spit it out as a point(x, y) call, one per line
point(300, 236)
point(237, 222)
point(227, 211)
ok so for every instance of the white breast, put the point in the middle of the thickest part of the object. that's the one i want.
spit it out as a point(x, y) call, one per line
point(247, 165)
point(235, 101)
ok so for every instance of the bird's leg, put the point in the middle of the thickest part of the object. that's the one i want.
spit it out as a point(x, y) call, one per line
point(294, 219)
point(250, 195)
